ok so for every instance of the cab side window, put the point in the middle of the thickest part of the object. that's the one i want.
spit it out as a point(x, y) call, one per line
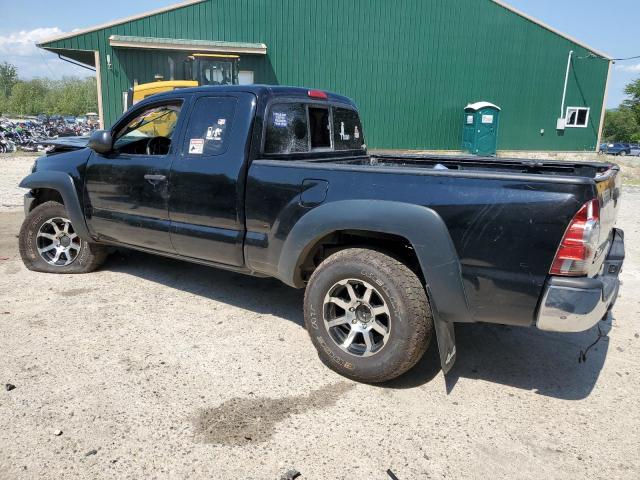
point(149, 132)
point(209, 129)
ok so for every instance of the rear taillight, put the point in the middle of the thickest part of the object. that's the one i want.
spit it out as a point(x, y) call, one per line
point(580, 242)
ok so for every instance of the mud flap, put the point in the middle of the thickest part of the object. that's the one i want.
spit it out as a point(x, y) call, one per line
point(445, 335)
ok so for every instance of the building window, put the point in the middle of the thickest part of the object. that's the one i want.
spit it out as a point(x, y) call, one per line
point(245, 77)
point(577, 117)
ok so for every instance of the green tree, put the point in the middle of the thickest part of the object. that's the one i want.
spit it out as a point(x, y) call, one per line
point(623, 123)
point(69, 96)
point(73, 96)
point(633, 102)
point(620, 125)
point(27, 97)
point(8, 78)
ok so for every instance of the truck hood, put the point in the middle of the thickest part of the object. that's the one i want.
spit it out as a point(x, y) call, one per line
point(65, 144)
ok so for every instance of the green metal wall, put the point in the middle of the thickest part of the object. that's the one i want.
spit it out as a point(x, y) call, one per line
point(411, 65)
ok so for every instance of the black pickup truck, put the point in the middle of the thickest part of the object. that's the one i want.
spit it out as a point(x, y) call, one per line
point(277, 181)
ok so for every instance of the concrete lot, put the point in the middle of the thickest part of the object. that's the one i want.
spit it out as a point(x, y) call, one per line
point(153, 368)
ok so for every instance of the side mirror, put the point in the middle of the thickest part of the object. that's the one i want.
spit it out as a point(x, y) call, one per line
point(101, 141)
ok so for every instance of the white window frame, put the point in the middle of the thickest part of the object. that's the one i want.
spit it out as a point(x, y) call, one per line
point(577, 109)
point(247, 73)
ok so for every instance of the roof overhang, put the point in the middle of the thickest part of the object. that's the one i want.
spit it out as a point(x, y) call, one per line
point(183, 44)
point(85, 57)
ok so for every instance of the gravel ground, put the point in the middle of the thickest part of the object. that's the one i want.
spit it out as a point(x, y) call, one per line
point(153, 368)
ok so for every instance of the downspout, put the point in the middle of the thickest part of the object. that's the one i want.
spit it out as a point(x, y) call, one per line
point(77, 64)
point(566, 82)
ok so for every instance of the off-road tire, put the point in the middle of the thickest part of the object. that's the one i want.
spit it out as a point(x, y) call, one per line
point(410, 319)
point(89, 257)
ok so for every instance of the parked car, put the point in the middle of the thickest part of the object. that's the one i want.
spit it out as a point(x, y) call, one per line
point(634, 149)
point(392, 249)
point(615, 149)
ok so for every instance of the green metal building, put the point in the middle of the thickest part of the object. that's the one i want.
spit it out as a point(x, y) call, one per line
point(412, 66)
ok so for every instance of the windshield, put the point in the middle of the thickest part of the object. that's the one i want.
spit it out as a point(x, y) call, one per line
point(216, 72)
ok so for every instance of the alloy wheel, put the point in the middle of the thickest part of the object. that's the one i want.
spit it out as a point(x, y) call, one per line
point(57, 242)
point(357, 317)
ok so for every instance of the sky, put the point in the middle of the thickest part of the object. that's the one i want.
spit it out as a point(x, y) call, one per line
point(612, 30)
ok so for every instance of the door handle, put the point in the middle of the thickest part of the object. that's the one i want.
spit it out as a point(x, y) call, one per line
point(153, 179)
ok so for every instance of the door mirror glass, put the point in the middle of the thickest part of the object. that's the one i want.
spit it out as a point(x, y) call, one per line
point(101, 141)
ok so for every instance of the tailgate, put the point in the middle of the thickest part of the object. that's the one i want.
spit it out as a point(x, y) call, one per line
point(608, 190)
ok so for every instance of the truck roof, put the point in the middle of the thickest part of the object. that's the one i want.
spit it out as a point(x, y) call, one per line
point(257, 90)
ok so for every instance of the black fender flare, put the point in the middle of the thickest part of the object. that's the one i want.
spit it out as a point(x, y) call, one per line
point(64, 185)
point(421, 226)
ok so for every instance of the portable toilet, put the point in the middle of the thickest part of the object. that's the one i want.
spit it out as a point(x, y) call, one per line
point(480, 129)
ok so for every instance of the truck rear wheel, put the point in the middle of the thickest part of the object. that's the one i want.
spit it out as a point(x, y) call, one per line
point(48, 243)
point(368, 315)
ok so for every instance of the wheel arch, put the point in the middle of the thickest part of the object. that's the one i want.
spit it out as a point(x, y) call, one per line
point(63, 185)
point(421, 227)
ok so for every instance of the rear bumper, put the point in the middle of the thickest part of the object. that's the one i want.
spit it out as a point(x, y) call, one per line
point(577, 304)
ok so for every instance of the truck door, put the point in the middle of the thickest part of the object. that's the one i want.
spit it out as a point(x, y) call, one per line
point(206, 205)
point(127, 190)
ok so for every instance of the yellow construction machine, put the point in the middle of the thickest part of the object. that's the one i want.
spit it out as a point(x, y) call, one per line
point(199, 69)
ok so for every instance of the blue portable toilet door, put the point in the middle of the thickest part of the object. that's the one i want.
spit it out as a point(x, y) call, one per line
point(487, 137)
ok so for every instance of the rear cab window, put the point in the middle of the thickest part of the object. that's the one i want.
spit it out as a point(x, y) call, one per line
point(308, 128)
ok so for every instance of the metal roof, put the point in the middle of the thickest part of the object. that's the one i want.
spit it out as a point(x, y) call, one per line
point(126, 41)
point(550, 28)
point(191, 2)
point(119, 21)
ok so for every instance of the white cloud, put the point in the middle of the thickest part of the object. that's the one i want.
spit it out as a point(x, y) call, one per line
point(629, 68)
point(23, 43)
point(19, 49)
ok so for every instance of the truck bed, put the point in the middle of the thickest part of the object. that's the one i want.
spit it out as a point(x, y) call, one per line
point(484, 164)
point(505, 217)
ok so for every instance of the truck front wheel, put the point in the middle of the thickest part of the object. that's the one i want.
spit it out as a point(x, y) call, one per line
point(367, 314)
point(48, 243)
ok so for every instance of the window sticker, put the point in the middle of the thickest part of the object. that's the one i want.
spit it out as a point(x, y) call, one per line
point(214, 133)
point(196, 146)
point(343, 135)
point(280, 119)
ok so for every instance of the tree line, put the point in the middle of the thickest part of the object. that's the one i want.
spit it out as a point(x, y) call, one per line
point(623, 123)
point(69, 96)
